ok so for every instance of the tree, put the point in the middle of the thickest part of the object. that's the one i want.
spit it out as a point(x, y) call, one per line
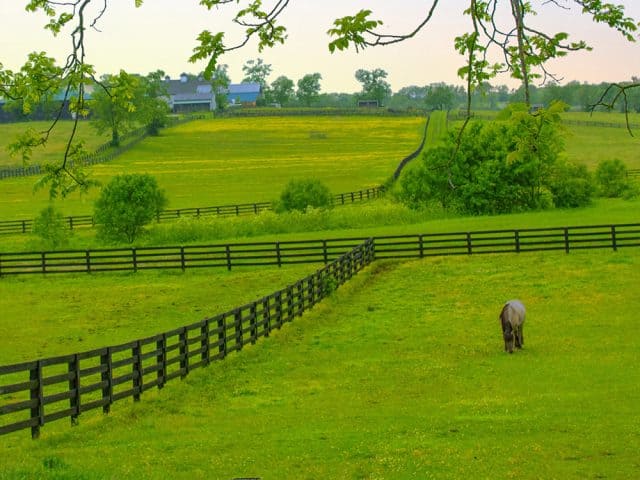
point(151, 107)
point(374, 85)
point(440, 97)
point(282, 89)
point(113, 104)
point(309, 88)
point(256, 71)
point(525, 50)
point(126, 204)
point(52, 228)
point(220, 84)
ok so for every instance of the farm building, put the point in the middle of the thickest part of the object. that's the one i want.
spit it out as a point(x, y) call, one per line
point(243, 93)
point(190, 94)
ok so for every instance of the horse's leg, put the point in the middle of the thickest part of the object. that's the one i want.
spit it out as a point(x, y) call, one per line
point(519, 342)
point(521, 335)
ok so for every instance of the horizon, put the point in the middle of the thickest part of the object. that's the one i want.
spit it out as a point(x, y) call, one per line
point(159, 36)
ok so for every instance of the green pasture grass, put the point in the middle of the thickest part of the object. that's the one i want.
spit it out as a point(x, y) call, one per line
point(244, 160)
point(401, 374)
point(54, 150)
point(375, 218)
point(44, 316)
point(589, 145)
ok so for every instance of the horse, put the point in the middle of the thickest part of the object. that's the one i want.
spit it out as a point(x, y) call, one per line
point(512, 320)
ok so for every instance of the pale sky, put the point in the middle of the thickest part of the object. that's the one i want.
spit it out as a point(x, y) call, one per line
point(161, 35)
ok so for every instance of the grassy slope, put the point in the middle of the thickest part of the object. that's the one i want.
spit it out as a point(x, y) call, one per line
point(400, 375)
point(57, 141)
point(218, 162)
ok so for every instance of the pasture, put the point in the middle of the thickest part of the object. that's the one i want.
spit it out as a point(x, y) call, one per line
point(241, 160)
point(401, 374)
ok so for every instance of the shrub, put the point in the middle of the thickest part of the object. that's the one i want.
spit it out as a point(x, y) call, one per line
point(52, 228)
point(572, 186)
point(301, 194)
point(612, 178)
point(126, 204)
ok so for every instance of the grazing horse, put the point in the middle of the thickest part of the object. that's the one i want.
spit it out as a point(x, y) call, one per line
point(512, 320)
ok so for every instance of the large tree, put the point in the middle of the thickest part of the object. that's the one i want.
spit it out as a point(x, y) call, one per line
point(309, 88)
point(374, 85)
point(282, 89)
point(525, 51)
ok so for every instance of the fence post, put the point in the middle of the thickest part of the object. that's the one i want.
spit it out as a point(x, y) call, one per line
point(182, 259)
point(278, 297)
point(421, 241)
point(289, 303)
point(70, 223)
point(566, 239)
point(87, 257)
point(184, 352)
point(278, 257)
point(222, 336)
point(107, 380)
point(161, 360)
point(24, 226)
point(35, 395)
point(136, 371)
point(325, 254)
point(74, 388)
point(44, 262)
point(228, 251)
point(517, 240)
point(204, 342)
point(237, 322)
point(266, 316)
point(253, 323)
point(300, 297)
point(134, 259)
point(614, 240)
point(469, 246)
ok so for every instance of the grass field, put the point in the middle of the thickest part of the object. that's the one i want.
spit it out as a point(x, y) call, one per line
point(228, 161)
point(400, 375)
point(57, 141)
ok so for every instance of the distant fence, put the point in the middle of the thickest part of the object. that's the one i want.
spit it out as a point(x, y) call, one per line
point(410, 157)
point(8, 227)
point(633, 172)
point(319, 251)
point(35, 393)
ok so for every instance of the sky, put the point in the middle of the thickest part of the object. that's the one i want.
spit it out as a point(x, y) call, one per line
point(161, 35)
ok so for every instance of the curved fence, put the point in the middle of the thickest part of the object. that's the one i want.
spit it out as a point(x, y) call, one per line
point(8, 227)
point(35, 393)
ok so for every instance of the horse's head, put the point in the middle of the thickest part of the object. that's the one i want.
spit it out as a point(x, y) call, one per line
point(507, 332)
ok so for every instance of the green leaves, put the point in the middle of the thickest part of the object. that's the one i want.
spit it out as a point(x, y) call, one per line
point(210, 48)
point(350, 30)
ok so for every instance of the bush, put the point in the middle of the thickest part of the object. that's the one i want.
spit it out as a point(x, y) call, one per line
point(301, 194)
point(126, 204)
point(52, 228)
point(612, 179)
point(572, 186)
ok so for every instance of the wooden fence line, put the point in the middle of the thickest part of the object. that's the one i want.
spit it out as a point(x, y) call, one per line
point(237, 255)
point(37, 392)
point(8, 227)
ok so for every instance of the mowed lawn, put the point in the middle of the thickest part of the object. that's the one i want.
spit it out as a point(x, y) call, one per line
point(401, 374)
point(244, 160)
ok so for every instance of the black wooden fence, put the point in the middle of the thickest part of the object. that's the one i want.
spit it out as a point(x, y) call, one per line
point(8, 227)
point(236, 255)
point(38, 392)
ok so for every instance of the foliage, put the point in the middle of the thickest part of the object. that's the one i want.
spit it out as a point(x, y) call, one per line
point(126, 204)
point(440, 96)
point(302, 194)
point(256, 71)
point(282, 90)
point(374, 85)
point(220, 81)
point(612, 178)
point(493, 167)
point(51, 227)
point(571, 185)
point(309, 88)
point(151, 106)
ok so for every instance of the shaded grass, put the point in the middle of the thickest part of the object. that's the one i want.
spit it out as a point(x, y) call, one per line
point(400, 375)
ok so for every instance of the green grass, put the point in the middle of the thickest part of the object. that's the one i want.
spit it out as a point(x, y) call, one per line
point(242, 160)
point(590, 145)
point(400, 375)
point(52, 153)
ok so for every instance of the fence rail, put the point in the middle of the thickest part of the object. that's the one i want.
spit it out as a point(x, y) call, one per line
point(9, 227)
point(35, 393)
point(236, 255)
